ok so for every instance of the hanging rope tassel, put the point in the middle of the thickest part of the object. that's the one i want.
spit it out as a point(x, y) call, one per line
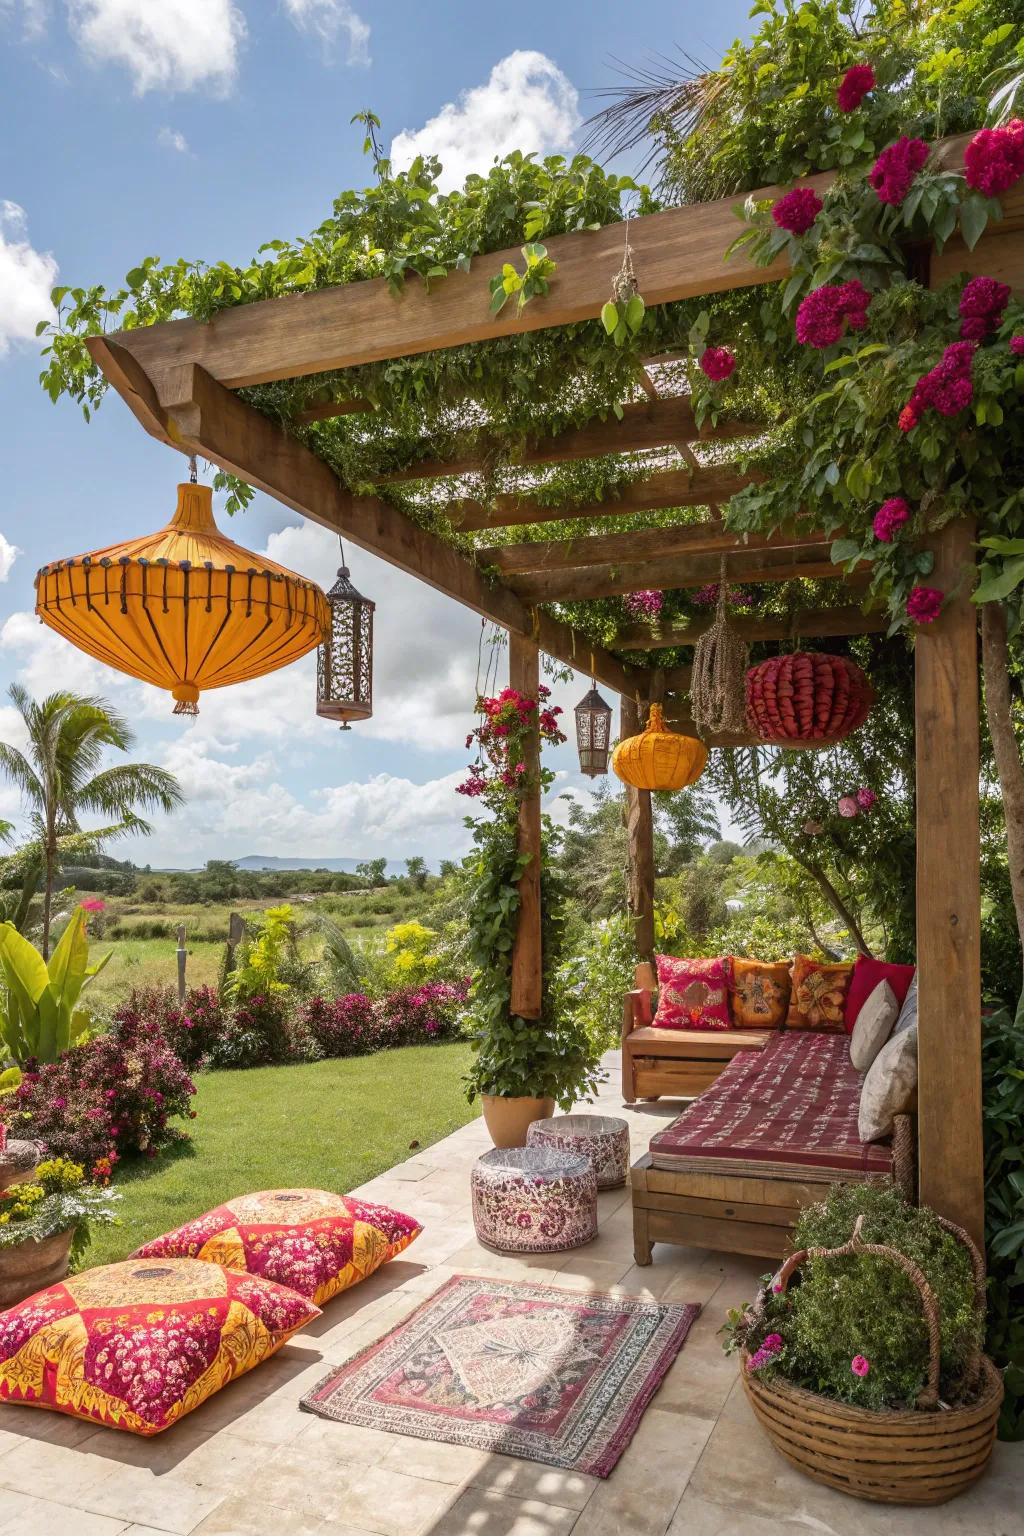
point(720, 661)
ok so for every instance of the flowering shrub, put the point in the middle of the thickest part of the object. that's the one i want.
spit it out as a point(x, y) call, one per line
point(797, 210)
point(825, 314)
point(890, 518)
point(717, 363)
point(645, 604)
point(336, 1026)
point(192, 1029)
point(981, 307)
point(854, 86)
point(707, 596)
point(501, 739)
point(893, 173)
point(355, 1026)
point(256, 1034)
point(994, 159)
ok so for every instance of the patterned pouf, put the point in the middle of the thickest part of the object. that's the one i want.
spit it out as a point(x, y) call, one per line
point(600, 1138)
point(534, 1200)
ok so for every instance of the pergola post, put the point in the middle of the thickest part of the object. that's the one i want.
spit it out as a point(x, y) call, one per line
point(949, 893)
point(527, 949)
point(640, 836)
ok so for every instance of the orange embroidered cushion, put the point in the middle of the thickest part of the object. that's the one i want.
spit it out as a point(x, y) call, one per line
point(138, 1345)
point(819, 995)
point(760, 993)
point(311, 1240)
point(693, 994)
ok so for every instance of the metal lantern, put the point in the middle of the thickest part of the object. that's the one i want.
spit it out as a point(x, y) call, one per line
point(593, 732)
point(344, 663)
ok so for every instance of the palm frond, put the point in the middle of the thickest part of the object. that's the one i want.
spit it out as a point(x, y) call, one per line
point(674, 91)
point(339, 958)
point(16, 767)
point(115, 791)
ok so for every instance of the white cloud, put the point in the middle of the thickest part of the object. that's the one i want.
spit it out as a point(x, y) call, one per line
point(331, 19)
point(170, 138)
point(528, 104)
point(34, 16)
point(26, 277)
point(172, 45)
point(8, 554)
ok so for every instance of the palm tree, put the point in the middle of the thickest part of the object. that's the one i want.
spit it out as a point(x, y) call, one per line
point(61, 778)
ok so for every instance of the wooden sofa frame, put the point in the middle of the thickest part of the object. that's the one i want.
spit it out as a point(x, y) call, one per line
point(668, 1063)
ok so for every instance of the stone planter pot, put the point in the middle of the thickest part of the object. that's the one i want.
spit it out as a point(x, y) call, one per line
point(508, 1120)
point(18, 1162)
point(30, 1266)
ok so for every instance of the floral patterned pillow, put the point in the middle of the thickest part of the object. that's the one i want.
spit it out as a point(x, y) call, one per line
point(311, 1240)
point(760, 993)
point(138, 1345)
point(693, 994)
point(819, 995)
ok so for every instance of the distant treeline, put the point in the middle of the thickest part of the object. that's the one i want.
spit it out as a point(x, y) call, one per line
point(220, 880)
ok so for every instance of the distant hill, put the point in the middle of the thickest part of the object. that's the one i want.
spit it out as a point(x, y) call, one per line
point(336, 866)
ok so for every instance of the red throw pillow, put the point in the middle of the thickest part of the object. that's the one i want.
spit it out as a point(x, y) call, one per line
point(693, 994)
point(867, 973)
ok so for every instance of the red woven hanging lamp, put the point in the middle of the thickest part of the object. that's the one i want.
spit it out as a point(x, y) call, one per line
point(806, 699)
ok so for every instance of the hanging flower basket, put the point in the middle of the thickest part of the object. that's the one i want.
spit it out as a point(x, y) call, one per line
point(922, 1455)
point(807, 699)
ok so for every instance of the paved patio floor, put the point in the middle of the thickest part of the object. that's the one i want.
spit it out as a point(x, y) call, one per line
point(249, 1461)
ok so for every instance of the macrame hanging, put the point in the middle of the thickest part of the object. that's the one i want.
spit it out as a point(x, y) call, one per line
point(720, 661)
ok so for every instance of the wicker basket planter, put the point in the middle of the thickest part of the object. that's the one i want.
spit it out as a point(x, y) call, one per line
point(922, 1455)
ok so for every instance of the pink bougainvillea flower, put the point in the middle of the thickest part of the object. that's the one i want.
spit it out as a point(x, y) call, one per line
point(854, 86)
point(924, 605)
point(797, 210)
point(848, 806)
point(866, 799)
point(859, 1366)
point(994, 159)
point(826, 312)
point(981, 307)
point(717, 363)
point(1017, 346)
point(890, 518)
point(772, 1342)
point(646, 604)
point(93, 904)
point(946, 388)
point(893, 172)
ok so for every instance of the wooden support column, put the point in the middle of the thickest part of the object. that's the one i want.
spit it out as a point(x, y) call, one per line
point(640, 831)
point(949, 893)
point(527, 950)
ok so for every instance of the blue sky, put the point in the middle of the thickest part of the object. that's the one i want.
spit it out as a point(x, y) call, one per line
point(202, 128)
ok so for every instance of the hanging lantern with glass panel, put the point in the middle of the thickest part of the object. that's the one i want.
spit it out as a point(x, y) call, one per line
point(593, 732)
point(344, 673)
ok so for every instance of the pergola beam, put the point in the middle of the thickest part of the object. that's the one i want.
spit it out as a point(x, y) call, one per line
point(654, 544)
point(820, 623)
point(670, 574)
point(674, 488)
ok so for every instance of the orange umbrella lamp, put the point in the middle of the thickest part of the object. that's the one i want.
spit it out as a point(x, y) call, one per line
point(184, 608)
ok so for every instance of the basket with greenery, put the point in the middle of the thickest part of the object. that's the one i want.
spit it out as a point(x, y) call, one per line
point(58, 1199)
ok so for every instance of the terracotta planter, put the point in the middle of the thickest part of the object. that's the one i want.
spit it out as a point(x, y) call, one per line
point(18, 1162)
point(508, 1120)
point(32, 1266)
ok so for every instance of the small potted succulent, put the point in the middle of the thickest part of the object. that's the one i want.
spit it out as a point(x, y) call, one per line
point(44, 1223)
point(861, 1356)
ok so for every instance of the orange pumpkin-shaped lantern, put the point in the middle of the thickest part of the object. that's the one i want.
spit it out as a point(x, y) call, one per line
point(807, 699)
point(659, 758)
point(184, 608)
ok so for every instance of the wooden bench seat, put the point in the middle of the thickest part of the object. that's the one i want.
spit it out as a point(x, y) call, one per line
point(673, 1063)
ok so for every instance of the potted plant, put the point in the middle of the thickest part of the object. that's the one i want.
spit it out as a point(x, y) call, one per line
point(861, 1357)
point(44, 1223)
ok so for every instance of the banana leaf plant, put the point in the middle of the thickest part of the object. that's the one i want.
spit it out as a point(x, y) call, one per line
point(40, 1013)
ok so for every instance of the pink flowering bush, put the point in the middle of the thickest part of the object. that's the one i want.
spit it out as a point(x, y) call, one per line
point(981, 307)
point(893, 173)
point(947, 388)
point(826, 312)
point(866, 799)
point(501, 740)
point(356, 1026)
point(192, 1029)
point(256, 1033)
point(994, 159)
point(924, 605)
point(646, 604)
point(707, 596)
point(890, 518)
point(854, 86)
point(717, 364)
point(797, 210)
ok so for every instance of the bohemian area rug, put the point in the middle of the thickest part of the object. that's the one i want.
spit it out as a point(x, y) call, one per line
point(552, 1375)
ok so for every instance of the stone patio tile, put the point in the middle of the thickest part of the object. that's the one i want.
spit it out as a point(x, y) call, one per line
point(394, 1504)
point(18, 1424)
point(479, 1513)
point(221, 1460)
point(699, 1517)
point(641, 1495)
point(253, 1516)
point(347, 1443)
point(701, 1376)
point(583, 1272)
point(520, 1479)
point(67, 1475)
point(435, 1460)
point(42, 1517)
point(135, 1495)
point(12, 1504)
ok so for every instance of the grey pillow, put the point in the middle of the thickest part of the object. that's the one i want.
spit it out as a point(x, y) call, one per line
point(889, 1086)
point(874, 1025)
point(908, 1013)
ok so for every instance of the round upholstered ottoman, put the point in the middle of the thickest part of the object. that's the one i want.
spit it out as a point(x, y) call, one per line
point(534, 1200)
point(600, 1138)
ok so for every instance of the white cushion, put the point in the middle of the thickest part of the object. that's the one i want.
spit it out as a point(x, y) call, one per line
point(878, 1014)
point(908, 1013)
point(889, 1086)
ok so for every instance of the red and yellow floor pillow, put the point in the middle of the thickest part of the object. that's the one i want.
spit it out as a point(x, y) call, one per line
point(760, 993)
point(819, 995)
point(138, 1345)
point(311, 1240)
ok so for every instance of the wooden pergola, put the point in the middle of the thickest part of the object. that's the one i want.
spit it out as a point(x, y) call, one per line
point(181, 379)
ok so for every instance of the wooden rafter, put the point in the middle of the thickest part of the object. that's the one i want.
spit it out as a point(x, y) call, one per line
point(577, 585)
point(812, 623)
point(654, 544)
point(675, 488)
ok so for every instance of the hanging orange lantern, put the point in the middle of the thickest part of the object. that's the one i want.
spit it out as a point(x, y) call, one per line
point(659, 758)
point(184, 608)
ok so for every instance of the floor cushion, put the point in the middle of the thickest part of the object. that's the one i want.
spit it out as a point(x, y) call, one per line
point(819, 993)
point(316, 1242)
point(874, 1026)
point(889, 1086)
point(760, 993)
point(138, 1345)
point(693, 994)
point(867, 973)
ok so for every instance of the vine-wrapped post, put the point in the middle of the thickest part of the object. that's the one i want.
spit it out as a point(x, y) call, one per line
point(640, 834)
point(527, 949)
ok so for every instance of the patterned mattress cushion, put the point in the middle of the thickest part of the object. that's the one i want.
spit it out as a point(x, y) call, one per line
point(789, 1110)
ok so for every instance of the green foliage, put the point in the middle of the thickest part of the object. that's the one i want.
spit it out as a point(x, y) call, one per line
point(57, 1197)
point(1003, 1079)
point(595, 975)
point(40, 1016)
point(264, 953)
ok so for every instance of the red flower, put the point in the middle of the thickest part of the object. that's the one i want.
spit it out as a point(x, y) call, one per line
point(946, 388)
point(1017, 346)
point(890, 518)
point(797, 211)
point(924, 605)
point(717, 363)
point(994, 159)
point(825, 313)
point(893, 172)
point(908, 419)
point(981, 307)
point(646, 604)
point(854, 86)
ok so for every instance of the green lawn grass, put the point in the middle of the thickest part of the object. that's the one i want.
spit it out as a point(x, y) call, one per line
point(329, 1125)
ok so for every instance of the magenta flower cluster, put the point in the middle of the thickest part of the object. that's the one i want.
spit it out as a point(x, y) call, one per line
point(501, 740)
point(770, 1347)
point(854, 86)
point(994, 159)
point(717, 363)
point(866, 799)
point(797, 210)
point(946, 388)
point(859, 1365)
point(892, 174)
point(707, 596)
point(826, 312)
point(924, 605)
point(646, 604)
point(1017, 346)
point(981, 307)
point(890, 518)
point(354, 1025)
